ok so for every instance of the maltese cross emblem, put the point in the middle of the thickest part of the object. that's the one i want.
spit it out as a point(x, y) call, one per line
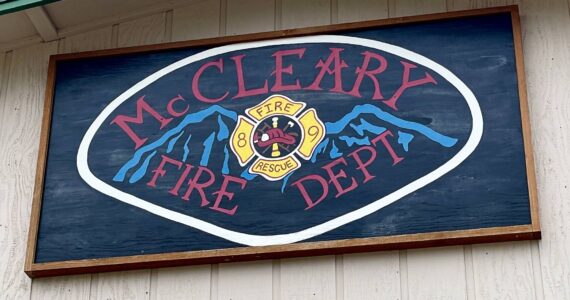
point(274, 133)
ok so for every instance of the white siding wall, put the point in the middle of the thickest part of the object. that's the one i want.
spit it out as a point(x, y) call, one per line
point(521, 270)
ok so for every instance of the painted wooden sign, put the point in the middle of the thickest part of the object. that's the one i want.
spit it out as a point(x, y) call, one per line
point(335, 139)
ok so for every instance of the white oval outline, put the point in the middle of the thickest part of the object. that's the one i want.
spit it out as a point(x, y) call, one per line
point(264, 240)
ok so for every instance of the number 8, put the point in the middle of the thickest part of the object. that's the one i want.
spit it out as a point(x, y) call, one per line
point(241, 140)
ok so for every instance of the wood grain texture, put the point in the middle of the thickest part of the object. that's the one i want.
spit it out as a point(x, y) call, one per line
point(308, 278)
point(287, 33)
point(402, 8)
point(73, 287)
point(2, 76)
point(245, 281)
point(508, 274)
point(471, 4)
point(546, 37)
point(437, 273)
point(4, 218)
point(363, 244)
point(546, 30)
point(144, 31)
point(196, 21)
point(249, 16)
point(92, 40)
point(420, 282)
point(21, 109)
point(182, 283)
point(536, 270)
point(514, 278)
point(133, 285)
point(361, 10)
point(301, 13)
point(201, 19)
point(411, 241)
point(503, 271)
point(371, 276)
point(67, 287)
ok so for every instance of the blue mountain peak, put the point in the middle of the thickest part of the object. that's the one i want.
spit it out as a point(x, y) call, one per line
point(172, 136)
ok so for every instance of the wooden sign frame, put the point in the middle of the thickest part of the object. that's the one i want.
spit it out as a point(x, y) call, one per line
point(445, 238)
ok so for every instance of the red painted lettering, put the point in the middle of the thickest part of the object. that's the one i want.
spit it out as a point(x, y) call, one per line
point(382, 137)
point(122, 120)
point(219, 64)
point(160, 171)
point(310, 202)
point(362, 165)
point(280, 70)
point(193, 184)
point(170, 107)
point(325, 67)
point(335, 177)
point(363, 71)
point(223, 192)
point(406, 84)
point(176, 188)
point(242, 91)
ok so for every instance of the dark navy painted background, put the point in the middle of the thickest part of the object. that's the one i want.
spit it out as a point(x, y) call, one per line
point(488, 189)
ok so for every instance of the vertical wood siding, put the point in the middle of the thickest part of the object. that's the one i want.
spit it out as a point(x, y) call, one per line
point(517, 270)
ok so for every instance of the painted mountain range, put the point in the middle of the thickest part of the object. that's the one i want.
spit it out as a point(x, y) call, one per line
point(354, 129)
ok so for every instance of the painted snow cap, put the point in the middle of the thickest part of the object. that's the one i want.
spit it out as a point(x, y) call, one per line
point(280, 141)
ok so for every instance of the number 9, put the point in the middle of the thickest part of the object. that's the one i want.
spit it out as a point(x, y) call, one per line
point(313, 132)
